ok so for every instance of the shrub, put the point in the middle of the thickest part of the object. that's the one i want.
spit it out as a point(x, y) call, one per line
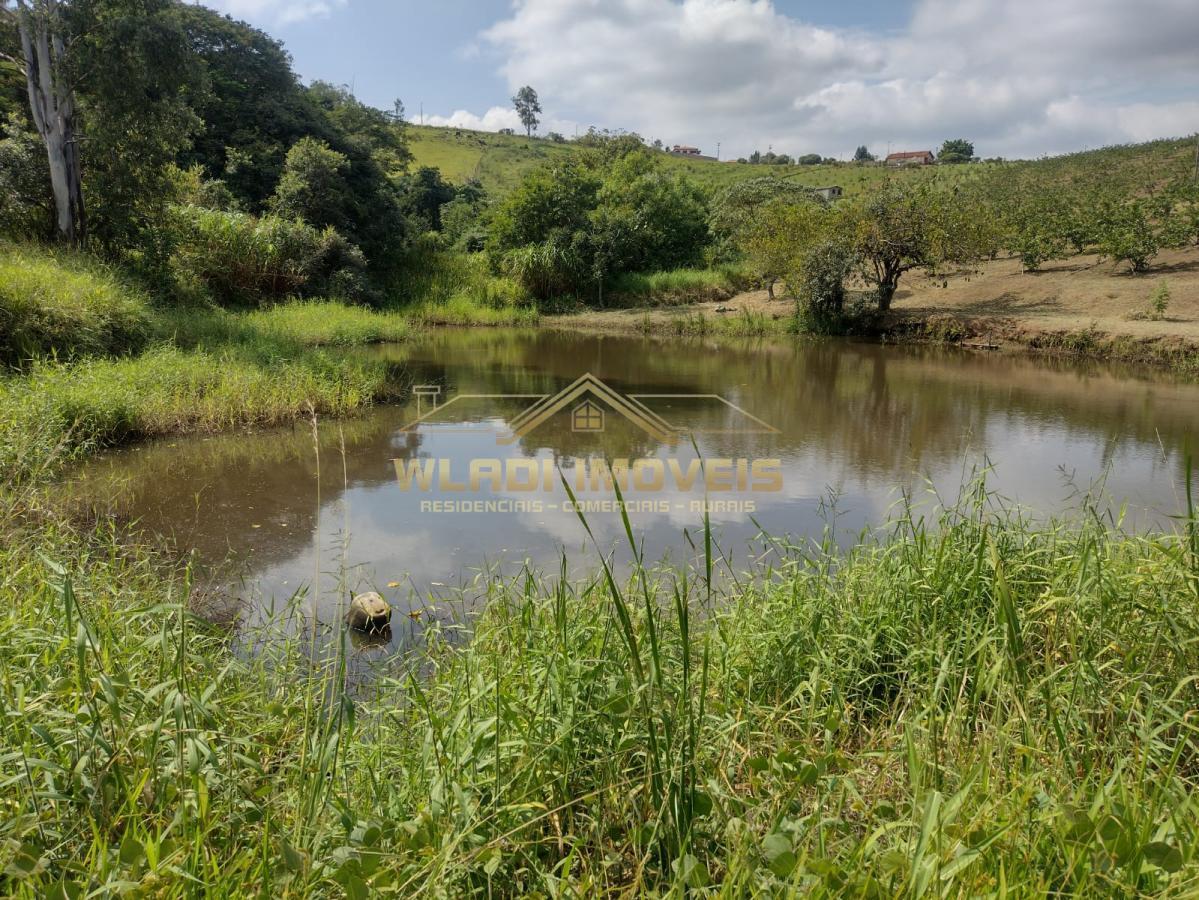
point(820, 284)
point(1129, 235)
point(67, 304)
point(1159, 301)
point(242, 260)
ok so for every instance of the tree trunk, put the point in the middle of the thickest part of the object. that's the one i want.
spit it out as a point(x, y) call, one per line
point(52, 105)
point(886, 292)
point(770, 288)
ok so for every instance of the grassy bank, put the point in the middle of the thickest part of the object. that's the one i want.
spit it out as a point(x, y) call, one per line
point(67, 304)
point(1177, 353)
point(96, 361)
point(988, 708)
point(680, 286)
point(56, 412)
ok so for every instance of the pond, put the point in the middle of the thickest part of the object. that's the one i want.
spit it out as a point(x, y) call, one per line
point(795, 437)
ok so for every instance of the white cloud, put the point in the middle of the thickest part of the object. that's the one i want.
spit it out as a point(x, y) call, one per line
point(496, 118)
point(276, 12)
point(1019, 77)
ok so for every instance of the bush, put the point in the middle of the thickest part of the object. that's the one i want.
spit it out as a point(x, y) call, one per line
point(66, 304)
point(820, 282)
point(567, 230)
point(1129, 235)
point(242, 260)
point(1160, 301)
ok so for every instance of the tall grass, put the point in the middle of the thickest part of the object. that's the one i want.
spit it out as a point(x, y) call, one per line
point(56, 412)
point(441, 287)
point(67, 304)
point(464, 311)
point(313, 323)
point(978, 706)
point(746, 323)
point(679, 286)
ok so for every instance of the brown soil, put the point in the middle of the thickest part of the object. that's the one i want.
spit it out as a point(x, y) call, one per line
point(996, 299)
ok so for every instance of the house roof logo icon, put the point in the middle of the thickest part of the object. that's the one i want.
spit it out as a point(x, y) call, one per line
point(590, 389)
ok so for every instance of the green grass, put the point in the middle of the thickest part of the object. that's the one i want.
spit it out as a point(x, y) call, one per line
point(56, 412)
point(304, 324)
point(206, 368)
point(463, 310)
point(442, 287)
point(982, 708)
point(501, 161)
point(742, 324)
point(680, 286)
point(67, 304)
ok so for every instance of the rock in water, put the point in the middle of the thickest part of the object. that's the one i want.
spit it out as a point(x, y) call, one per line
point(369, 613)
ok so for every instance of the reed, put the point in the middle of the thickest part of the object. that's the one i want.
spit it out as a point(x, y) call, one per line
point(963, 704)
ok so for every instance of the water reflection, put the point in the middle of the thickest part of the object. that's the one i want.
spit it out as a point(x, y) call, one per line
point(860, 422)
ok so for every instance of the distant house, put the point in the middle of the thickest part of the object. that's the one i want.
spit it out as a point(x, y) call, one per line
point(911, 158)
point(828, 193)
point(683, 150)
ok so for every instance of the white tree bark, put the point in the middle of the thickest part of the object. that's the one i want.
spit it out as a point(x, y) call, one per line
point(52, 105)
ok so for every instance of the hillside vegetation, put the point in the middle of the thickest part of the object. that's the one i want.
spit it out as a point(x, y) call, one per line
point(501, 161)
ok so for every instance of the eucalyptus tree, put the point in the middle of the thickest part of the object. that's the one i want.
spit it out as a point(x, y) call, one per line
point(528, 107)
point(43, 59)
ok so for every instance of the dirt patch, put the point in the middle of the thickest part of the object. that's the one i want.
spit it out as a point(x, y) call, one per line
point(1065, 295)
point(1083, 305)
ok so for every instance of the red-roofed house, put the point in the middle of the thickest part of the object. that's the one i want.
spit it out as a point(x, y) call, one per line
point(911, 158)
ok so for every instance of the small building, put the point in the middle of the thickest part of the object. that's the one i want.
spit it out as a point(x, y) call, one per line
point(828, 193)
point(683, 150)
point(911, 158)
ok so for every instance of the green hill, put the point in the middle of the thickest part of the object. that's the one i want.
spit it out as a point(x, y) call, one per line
point(500, 161)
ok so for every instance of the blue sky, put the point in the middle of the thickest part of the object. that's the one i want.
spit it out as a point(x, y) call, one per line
point(1019, 77)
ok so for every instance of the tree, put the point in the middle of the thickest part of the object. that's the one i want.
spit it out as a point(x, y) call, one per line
point(369, 131)
point(528, 107)
point(819, 277)
point(26, 200)
point(664, 217)
point(898, 228)
point(313, 186)
point(1130, 233)
point(735, 211)
point(42, 27)
point(132, 69)
point(422, 196)
point(863, 155)
point(551, 199)
point(957, 150)
point(809, 159)
point(253, 106)
point(780, 231)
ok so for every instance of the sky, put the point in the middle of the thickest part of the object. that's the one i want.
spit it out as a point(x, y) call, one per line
point(1019, 78)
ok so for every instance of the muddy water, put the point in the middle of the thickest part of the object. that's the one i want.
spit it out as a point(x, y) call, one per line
point(830, 433)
